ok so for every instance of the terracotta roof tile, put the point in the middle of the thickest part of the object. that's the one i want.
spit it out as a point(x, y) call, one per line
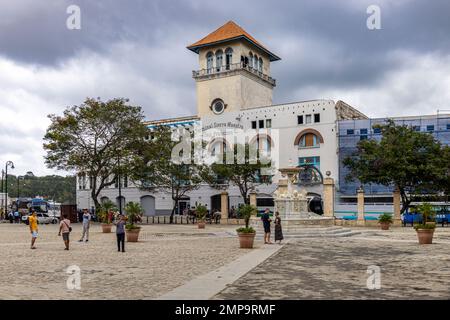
point(228, 31)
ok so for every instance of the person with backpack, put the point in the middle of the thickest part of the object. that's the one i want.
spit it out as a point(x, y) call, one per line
point(65, 229)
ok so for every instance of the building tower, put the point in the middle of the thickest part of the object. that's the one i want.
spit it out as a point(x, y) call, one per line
point(234, 71)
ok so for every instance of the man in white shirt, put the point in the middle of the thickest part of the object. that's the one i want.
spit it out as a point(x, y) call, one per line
point(86, 223)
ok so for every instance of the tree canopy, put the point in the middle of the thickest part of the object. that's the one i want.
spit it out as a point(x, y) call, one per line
point(246, 170)
point(97, 139)
point(155, 169)
point(414, 162)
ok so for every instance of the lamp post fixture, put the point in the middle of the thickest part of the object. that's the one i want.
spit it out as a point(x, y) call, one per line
point(3, 191)
point(120, 187)
point(18, 186)
point(11, 165)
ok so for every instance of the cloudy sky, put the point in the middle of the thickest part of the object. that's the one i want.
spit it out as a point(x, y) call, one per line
point(137, 49)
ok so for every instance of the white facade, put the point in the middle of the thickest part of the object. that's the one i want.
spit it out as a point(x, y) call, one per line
point(297, 133)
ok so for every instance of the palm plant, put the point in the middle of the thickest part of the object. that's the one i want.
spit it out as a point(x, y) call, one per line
point(385, 218)
point(201, 212)
point(246, 212)
point(426, 209)
point(104, 210)
point(134, 211)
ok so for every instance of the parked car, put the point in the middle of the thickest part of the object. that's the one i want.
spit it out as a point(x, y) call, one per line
point(43, 218)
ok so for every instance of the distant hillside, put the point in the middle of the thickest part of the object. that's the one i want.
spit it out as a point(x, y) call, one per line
point(58, 188)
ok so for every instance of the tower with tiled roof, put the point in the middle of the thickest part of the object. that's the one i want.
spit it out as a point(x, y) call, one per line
point(234, 71)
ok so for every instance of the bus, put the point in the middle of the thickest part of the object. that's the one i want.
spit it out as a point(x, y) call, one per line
point(25, 205)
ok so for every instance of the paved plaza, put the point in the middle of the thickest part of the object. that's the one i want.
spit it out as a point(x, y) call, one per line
point(170, 257)
point(166, 257)
point(337, 269)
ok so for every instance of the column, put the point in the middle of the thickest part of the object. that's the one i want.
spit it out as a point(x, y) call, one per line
point(253, 198)
point(328, 197)
point(360, 197)
point(397, 217)
point(223, 207)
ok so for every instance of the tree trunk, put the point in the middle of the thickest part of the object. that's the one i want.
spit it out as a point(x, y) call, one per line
point(173, 212)
point(94, 197)
point(405, 201)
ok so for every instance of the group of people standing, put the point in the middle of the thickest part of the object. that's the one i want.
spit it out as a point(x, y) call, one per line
point(65, 229)
point(266, 220)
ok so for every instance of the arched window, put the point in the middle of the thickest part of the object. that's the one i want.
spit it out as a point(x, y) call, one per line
point(219, 60)
point(250, 62)
point(209, 62)
point(260, 65)
point(255, 62)
point(228, 57)
point(309, 140)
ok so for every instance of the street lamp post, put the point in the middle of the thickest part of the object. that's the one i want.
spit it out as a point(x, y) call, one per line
point(18, 186)
point(120, 187)
point(3, 191)
point(11, 165)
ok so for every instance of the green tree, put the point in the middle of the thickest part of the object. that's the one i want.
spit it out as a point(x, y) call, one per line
point(155, 170)
point(97, 139)
point(246, 170)
point(57, 188)
point(414, 162)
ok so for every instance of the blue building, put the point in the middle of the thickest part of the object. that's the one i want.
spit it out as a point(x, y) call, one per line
point(350, 132)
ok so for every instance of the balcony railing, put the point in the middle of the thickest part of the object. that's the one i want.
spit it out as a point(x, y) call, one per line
point(233, 67)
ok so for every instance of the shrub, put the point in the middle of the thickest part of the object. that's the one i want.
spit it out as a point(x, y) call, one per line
point(104, 210)
point(201, 212)
point(385, 218)
point(246, 230)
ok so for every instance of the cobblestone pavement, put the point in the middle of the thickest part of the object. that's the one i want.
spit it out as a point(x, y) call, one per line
point(167, 257)
point(337, 269)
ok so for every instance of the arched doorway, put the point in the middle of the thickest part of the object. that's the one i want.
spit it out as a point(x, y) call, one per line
point(216, 202)
point(148, 204)
point(104, 200)
point(183, 203)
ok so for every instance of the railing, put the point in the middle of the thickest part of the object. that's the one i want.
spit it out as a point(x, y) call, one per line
point(233, 67)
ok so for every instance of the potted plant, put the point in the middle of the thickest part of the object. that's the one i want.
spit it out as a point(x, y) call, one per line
point(201, 212)
point(385, 220)
point(246, 234)
point(105, 216)
point(134, 211)
point(425, 230)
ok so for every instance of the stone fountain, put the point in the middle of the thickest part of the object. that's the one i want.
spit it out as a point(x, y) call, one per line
point(292, 204)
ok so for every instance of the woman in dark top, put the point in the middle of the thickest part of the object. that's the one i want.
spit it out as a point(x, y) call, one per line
point(278, 230)
point(266, 223)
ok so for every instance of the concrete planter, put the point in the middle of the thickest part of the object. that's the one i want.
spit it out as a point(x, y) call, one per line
point(425, 236)
point(246, 240)
point(106, 227)
point(385, 225)
point(133, 235)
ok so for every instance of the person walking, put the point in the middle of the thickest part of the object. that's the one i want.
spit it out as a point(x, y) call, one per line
point(65, 229)
point(266, 223)
point(278, 229)
point(86, 220)
point(33, 223)
point(11, 217)
point(120, 233)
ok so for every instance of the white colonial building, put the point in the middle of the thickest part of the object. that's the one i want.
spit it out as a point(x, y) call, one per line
point(234, 92)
